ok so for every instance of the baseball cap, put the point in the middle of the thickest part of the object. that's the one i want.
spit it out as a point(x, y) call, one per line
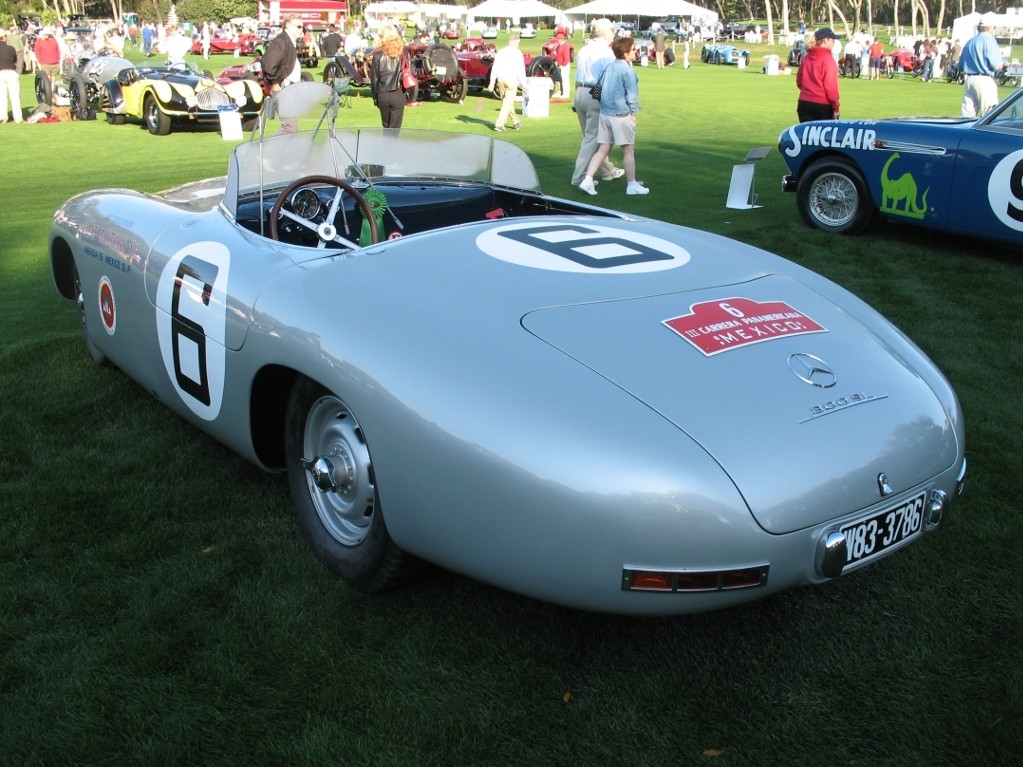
point(825, 33)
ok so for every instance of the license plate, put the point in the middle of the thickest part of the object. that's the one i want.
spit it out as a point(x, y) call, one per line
point(871, 537)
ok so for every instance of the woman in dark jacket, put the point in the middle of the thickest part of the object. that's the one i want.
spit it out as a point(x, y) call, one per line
point(385, 80)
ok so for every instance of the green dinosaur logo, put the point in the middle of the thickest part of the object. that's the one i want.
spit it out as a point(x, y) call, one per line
point(901, 191)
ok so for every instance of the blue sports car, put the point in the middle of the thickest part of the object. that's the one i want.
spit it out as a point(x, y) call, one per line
point(954, 174)
point(722, 53)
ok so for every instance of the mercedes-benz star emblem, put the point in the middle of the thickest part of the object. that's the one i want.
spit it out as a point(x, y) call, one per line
point(812, 370)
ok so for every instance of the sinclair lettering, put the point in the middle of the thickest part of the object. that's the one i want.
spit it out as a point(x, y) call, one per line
point(834, 136)
point(717, 326)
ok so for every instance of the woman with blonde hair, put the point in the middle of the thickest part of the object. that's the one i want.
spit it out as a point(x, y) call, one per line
point(385, 77)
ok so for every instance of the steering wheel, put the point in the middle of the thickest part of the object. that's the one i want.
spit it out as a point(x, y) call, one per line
point(326, 231)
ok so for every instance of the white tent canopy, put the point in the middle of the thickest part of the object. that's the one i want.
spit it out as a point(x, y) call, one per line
point(652, 8)
point(515, 9)
point(1004, 25)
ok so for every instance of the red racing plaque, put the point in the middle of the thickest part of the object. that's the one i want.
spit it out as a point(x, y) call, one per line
point(107, 308)
point(717, 326)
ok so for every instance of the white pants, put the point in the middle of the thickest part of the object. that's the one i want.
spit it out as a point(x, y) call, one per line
point(980, 95)
point(10, 90)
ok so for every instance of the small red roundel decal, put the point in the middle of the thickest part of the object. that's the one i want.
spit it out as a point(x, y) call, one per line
point(107, 307)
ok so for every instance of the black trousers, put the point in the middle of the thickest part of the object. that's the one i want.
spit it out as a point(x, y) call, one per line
point(392, 108)
point(808, 111)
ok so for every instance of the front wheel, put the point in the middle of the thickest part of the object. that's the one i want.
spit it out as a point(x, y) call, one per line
point(333, 487)
point(43, 88)
point(158, 121)
point(454, 92)
point(832, 196)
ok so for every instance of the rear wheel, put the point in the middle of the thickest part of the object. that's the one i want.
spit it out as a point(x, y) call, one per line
point(832, 196)
point(94, 353)
point(158, 122)
point(333, 487)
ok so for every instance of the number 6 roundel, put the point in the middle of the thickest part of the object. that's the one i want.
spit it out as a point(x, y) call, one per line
point(191, 324)
point(586, 248)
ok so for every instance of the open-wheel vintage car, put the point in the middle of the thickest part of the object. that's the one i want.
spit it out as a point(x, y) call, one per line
point(434, 66)
point(251, 71)
point(588, 407)
point(476, 59)
point(177, 95)
point(81, 78)
point(437, 73)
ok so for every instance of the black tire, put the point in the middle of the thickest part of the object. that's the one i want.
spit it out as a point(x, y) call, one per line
point(544, 66)
point(249, 124)
point(115, 119)
point(306, 77)
point(44, 89)
point(833, 197)
point(340, 515)
point(78, 93)
point(454, 92)
point(94, 353)
point(332, 72)
point(157, 121)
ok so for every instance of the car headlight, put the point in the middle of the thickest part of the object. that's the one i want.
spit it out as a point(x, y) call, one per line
point(192, 102)
point(240, 101)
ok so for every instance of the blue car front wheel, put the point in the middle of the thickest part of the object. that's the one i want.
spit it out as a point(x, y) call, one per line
point(833, 196)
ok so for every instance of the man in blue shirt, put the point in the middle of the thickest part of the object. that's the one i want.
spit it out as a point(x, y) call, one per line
point(980, 61)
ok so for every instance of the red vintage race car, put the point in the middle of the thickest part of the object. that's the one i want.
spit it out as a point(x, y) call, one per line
point(244, 44)
point(476, 57)
point(435, 67)
point(250, 71)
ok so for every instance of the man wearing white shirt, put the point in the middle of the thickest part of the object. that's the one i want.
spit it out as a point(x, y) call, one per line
point(589, 66)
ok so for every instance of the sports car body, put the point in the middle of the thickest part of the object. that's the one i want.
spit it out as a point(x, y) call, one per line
point(165, 96)
point(721, 53)
point(591, 408)
point(238, 45)
point(950, 174)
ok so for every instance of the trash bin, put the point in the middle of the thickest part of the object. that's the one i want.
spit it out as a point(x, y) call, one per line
point(537, 97)
point(770, 65)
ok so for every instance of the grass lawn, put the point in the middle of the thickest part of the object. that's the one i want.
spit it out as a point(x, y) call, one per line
point(159, 605)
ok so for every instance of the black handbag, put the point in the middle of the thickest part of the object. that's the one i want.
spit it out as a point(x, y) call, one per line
point(597, 89)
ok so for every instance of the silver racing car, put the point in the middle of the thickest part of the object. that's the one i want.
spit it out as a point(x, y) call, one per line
point(591, 408)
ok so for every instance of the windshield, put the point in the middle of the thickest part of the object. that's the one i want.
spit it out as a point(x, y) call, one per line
point(272, 162)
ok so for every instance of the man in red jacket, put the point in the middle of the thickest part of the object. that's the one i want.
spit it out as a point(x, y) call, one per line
point(817, 79)
point(47, 51)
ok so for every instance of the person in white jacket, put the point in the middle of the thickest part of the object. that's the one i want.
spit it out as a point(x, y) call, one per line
point(508, 73)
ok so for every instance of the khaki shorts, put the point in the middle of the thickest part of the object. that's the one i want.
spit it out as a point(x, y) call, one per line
point(617, 130)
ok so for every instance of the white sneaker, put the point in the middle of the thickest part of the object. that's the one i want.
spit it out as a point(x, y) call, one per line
point(616, 173)
point(636, 187)
point(588, 186)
